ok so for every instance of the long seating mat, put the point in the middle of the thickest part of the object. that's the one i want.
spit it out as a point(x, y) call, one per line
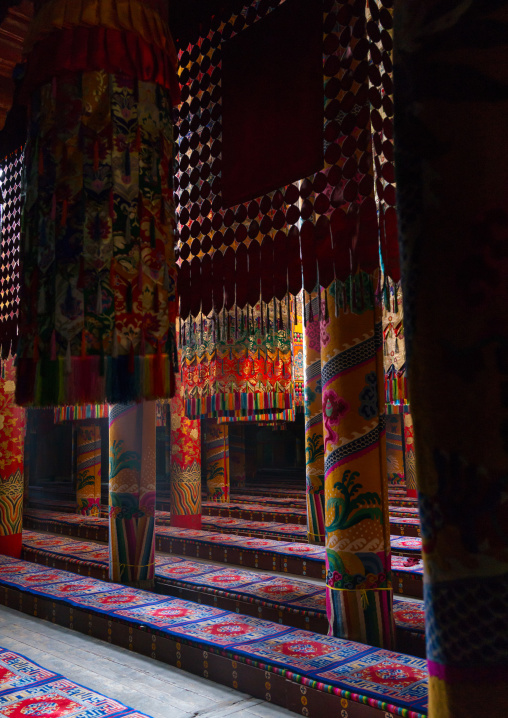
point(28, 689)
point(266, 554)
point(250, 512)
point(299, 603)
point(264, 659)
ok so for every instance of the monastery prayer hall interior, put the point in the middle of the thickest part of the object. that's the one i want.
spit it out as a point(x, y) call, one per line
point(253, 358)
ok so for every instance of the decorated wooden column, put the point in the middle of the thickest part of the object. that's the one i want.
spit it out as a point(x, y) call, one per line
point(12, 434)
point(132, 482)
point(409, 457)
point(217, 461)
point(314, 447)
point(359, 596)
point(185, 465)
point(395, 450)
point(451, 75)
point(88, 466)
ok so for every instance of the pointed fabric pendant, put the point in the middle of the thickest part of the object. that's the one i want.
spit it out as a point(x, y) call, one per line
point(311, 312)
point(262, 324)
point(327, 314)
point(336, 297)
point(98, 305)
point(320, 310)
point(114, 349)
point(267, 318)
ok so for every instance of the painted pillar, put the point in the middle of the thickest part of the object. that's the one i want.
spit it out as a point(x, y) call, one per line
point(409, 457)
point(237, 457)
point(217, 461)
point(185, 465)
point(451, 74)
point(12, 439)
point(132, 482)
point(314, 447)
point(359, 596)
point(88, 484)
point(395, 450)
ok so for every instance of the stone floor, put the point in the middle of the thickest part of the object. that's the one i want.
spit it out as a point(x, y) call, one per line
point(149, 686)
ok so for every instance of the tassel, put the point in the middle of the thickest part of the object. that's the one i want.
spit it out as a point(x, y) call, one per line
point(98, 304)
point(68, 359)
point(386, 295)
point(114, 349)
point(281, 323)
point(102, 359)
point(53, 346)
point(152, 232)
point(131, 358)
point(261, 327)
point(267, 318)
point(128, 298)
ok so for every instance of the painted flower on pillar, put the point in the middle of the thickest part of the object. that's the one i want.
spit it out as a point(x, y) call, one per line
point(335, 409)
point(312, 335)
point(368, 397)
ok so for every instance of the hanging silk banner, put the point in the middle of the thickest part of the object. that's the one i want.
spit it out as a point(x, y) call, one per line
point(10, 224)
point(302, 209)
point(99, 277)
point(78, 413)
point(238, 367)
point(12, 436)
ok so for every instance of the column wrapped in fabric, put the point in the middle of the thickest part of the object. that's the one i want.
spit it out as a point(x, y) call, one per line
point(88, 468)
point(12, 437)
point(132, 481)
